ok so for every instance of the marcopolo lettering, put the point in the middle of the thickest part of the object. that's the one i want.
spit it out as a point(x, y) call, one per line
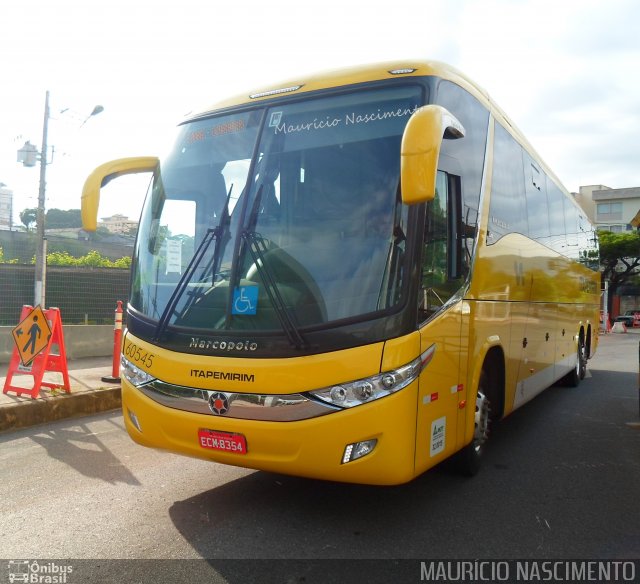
point(217, 345)
point(226, 375)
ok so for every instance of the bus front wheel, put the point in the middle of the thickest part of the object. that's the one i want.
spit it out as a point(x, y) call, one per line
point(470, 457)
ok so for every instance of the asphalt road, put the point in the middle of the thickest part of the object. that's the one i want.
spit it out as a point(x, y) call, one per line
point(561, 480)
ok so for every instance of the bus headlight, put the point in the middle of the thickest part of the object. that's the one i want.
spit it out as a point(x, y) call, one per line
point(355, 393)
point(133, 374)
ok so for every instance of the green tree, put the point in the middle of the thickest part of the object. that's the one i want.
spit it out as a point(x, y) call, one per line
point(4, 260)
point(59, 219)
point(92, 259)
point(619, 258)
point(100, 233)
point(28, 217)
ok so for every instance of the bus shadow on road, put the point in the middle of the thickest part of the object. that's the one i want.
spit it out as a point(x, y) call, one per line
point(551, 446)
point(77, 446)
point(265, 516)
point(269, 516)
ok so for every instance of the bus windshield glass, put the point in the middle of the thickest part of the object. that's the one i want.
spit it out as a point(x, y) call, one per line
point(277, 218)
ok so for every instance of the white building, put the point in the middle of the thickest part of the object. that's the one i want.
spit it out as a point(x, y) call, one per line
point(6, 207)
point(610, 209)
point(120, 224)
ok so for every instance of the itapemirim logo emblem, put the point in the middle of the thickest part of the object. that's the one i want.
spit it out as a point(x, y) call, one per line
point(218, 403)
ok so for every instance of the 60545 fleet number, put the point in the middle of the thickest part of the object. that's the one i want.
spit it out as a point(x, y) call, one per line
point(138, 355)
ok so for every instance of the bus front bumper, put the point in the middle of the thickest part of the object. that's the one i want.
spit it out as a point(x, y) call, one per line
point(313, 447)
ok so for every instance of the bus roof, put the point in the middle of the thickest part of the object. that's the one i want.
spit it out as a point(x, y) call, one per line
point(377, 72)
point(363, 74)
point(350, 76)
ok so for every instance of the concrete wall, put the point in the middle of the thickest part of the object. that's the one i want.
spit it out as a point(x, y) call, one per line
point(79, 340)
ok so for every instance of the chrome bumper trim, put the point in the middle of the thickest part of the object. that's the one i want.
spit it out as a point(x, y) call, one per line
point(246, 406)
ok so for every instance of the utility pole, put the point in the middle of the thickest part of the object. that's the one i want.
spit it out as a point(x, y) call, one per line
point(41, 251)
point(28, 155)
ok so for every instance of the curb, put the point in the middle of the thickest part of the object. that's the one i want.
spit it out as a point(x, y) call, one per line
point(50, 409)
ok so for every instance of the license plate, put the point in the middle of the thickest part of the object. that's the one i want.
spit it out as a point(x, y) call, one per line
point(222, 441)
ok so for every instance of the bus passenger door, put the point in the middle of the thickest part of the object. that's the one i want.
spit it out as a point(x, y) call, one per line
point(444, 325)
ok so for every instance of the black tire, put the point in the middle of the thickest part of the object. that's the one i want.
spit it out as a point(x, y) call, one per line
point(469, 459)
point(573, 378)
point(582, 359)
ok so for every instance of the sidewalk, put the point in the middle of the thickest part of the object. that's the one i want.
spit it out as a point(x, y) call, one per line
point(89, 395)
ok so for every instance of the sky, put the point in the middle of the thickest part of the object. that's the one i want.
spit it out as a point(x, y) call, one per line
point(567, 72)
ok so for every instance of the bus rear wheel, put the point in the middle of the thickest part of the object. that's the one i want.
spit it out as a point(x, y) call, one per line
point(573, 378)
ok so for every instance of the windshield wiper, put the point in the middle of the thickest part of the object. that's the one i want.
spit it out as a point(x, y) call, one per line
point(183, 283)
point(257, 248)
point(218, 234)
point(395, 256)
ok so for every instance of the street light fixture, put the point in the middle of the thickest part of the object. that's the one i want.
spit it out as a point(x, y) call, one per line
point(96, 110)
point(27, 155)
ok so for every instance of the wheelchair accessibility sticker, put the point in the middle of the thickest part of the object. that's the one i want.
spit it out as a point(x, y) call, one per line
point(245, 300)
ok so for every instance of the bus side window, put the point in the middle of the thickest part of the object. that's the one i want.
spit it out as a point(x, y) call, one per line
point(536, 198)
point(507, 208)
point(442, 253)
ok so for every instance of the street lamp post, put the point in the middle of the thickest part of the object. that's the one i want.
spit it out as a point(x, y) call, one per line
point(41, 251)
point(27, 155)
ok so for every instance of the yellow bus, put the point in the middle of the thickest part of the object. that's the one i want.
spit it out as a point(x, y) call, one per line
point(350, 277)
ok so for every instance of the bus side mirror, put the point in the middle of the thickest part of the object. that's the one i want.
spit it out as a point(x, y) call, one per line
point(420, 150)
point(101, 176)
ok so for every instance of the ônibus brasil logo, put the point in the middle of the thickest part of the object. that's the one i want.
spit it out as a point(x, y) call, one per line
point(39, 572)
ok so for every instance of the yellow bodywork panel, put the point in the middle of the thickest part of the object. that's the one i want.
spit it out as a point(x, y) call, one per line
point(310, 448)
point(443, 387)
point(103, 174)
point(275, 376)
point(313, 447)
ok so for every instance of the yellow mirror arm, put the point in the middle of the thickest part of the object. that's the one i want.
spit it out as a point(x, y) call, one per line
point(101, 176)
point(420, 151)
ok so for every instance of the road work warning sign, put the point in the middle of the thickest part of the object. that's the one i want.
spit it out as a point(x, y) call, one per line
point(36, 335)
point(32, 335)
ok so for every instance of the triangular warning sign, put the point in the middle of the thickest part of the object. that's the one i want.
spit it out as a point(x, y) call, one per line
point(34, 338)
point(32, 335)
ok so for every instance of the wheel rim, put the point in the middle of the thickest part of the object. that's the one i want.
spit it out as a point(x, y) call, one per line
point(582, 360)
point(481, 433)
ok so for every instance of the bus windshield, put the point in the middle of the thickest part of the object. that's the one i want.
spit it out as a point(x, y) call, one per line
point(278, 218)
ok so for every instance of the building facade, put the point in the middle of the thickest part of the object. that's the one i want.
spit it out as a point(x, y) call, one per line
point(6, 207)
point(120, 224)
point(610, 209)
